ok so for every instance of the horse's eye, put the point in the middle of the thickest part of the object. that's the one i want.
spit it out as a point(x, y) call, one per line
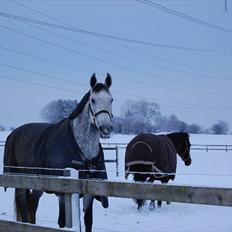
point(92, 101)
point(111, 100)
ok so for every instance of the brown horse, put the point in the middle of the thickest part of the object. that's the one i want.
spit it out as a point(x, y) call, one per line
point(152, 157)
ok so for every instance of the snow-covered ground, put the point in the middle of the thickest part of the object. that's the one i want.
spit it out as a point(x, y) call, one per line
point(211, 168)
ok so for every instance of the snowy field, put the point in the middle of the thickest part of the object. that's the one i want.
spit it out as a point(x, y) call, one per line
point(211, 168)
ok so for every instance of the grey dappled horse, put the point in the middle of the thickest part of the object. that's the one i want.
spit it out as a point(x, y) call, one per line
point(72, 142)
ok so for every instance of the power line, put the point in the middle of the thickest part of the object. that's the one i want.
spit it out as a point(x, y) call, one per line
point(212, 75)
point(108, 62)
point(41, 74)
point(67, 90)
point(92, 57)
point(156, 86)
point(117, 65)
point(78, 30)
point(35, 83)
point(184, 16)
point(209, 90)
point(44, 59)
point(123, 56)
point(177, 104)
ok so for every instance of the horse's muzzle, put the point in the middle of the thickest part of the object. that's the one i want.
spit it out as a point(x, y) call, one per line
point(105, 202)
point(188, 162)
point(105, 131)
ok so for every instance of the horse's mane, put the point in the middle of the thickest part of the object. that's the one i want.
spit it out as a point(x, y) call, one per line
point(80, 106)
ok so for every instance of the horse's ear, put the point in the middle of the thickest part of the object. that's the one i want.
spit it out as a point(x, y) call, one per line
point(108, 80)
point(93, 80)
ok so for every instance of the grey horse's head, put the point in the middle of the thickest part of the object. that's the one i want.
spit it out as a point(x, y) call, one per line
point(100, 104)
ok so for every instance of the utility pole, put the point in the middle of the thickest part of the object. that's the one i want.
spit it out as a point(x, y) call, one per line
point(226, 5)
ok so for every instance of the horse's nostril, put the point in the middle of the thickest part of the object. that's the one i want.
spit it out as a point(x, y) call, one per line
point(106, 129)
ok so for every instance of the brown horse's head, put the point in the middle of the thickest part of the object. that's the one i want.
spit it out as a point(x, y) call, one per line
point(182, 145)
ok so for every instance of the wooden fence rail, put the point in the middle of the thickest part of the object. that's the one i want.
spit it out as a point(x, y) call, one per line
point(195, 147)
point(25, 227)
point(116, 161)
point(174, 193)
point(146, 191)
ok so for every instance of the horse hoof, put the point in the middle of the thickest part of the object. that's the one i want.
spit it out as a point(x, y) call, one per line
point(151, 206)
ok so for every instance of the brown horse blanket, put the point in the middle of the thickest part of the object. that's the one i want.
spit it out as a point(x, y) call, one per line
point(158, 151)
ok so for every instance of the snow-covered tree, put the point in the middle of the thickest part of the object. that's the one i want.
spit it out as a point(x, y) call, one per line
point(194, 128)
point(141, 111)
point(2, 128)
point(57, 110)
point(221, 127)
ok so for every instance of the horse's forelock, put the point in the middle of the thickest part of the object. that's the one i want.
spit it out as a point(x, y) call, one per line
point(99, 87)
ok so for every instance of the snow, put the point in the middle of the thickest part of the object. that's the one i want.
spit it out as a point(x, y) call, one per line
point(211, 168)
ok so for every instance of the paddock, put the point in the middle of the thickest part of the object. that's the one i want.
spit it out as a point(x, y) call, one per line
point(211, 169)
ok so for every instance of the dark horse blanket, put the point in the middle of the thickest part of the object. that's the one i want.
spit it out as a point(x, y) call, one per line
point(157, 151)
point(51, 146)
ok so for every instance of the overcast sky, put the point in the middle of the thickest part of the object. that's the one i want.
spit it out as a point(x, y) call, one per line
point(179, 57)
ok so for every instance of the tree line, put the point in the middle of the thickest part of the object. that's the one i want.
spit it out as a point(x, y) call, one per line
point(136, 117)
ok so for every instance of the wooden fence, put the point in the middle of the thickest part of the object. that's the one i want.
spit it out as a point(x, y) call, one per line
point(194, 147)
point(72, 204)
point(116, 146)
point(11, 226)
point(115, 160)
point(146, 191)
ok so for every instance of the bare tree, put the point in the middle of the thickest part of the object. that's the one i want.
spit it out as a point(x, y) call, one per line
point(2, 128)
point(194, 128)
point(221, 127)
point(57, 110)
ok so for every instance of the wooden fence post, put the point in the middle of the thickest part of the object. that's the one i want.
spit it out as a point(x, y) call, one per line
point(68, 210)
point(72, 206)
point(76, 221)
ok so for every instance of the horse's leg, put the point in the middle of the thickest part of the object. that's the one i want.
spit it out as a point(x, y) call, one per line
point(88, 212)
point(33, 204)
point(152, 202)
point(140, 177)
point(22, 204)
point(61, 219)
point(164, 181)
point(159, 203)
point(104, 201)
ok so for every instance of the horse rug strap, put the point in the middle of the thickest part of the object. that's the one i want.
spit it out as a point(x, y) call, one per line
point(91, 168)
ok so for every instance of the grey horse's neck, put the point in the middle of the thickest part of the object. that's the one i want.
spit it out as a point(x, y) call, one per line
point(86, 134)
